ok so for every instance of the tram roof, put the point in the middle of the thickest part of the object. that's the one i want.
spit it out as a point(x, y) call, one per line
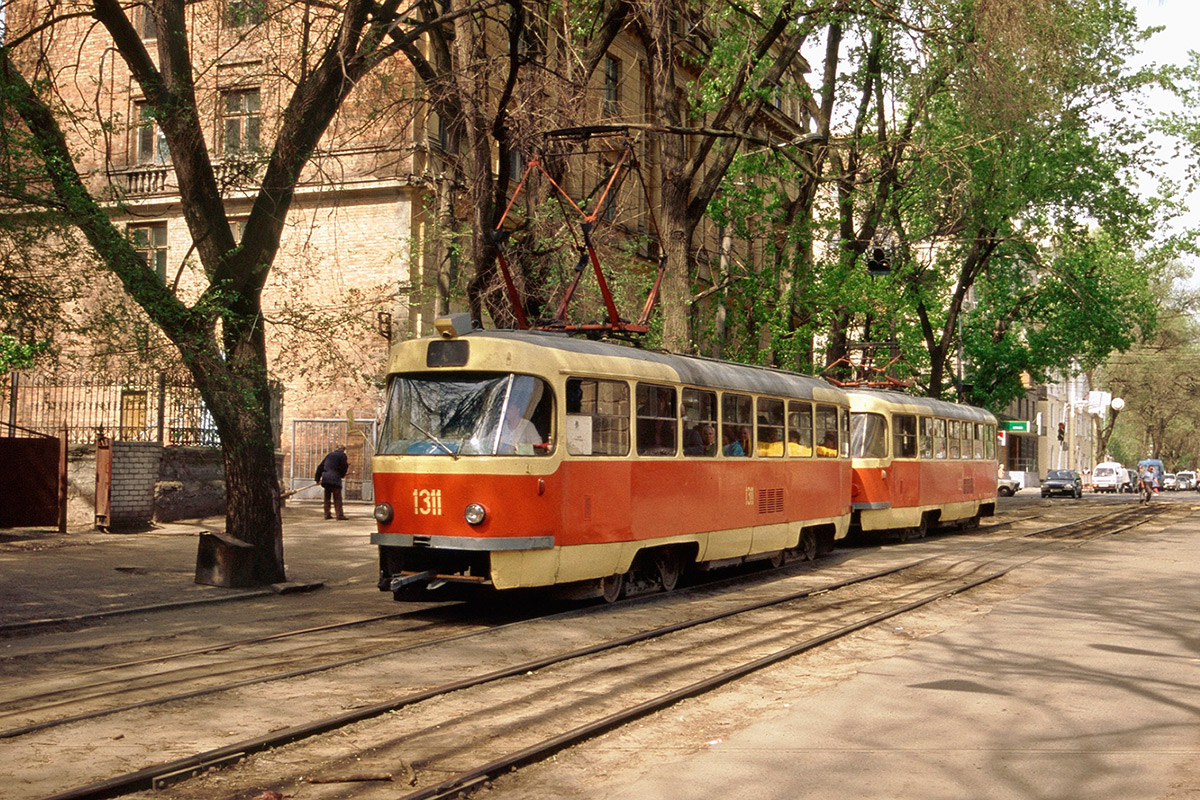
point(589, 356)
point(878, 398)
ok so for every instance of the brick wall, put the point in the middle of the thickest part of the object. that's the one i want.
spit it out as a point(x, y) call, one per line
point(134, 473)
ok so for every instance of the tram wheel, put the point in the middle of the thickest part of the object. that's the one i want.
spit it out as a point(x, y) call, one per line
point(613, 587)
point(777, 559)
point(922, 529)
point(669, 570)
point(808, 545)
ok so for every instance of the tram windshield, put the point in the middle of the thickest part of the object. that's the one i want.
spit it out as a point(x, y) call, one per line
point(868, 435)
point(467, 414)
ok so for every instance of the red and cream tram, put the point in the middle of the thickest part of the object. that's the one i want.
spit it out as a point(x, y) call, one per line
point(919, 462)
point(514, 459)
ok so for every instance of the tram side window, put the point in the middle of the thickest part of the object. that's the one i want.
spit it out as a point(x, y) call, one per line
point(737, 422)
point(904, 433)
point(770, 427)
point(800, 429)
point(656, 420)
point(926, 437)
point(597, 417)
point(844, 439)
point(699, 423)
point(955, 436)
point(939, 438)
point(868, 435)
point(978, 426)
point(989, 442)
point(827, 431)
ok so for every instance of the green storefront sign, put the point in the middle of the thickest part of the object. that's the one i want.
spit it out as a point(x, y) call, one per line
point(1015, 426)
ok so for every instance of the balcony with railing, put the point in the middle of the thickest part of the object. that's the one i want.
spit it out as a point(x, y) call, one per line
point(145, 180)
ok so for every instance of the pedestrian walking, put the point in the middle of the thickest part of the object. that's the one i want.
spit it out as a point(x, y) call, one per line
point(329, 474)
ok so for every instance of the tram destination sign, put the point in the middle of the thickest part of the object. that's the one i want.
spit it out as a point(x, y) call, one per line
point(1015, 426)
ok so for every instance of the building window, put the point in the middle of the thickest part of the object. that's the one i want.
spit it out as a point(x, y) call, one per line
point(144, 22)
point(612, 86)
point(237, 226)
point(244, 12)
point(241, 120)
point(150, 145)
point(150, 242)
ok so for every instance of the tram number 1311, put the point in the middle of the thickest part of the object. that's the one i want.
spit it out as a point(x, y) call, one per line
point(427, 502)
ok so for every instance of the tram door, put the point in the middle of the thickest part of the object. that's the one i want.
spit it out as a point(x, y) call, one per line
point(312, 439)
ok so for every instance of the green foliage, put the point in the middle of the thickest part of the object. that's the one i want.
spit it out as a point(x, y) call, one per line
point(15, 355)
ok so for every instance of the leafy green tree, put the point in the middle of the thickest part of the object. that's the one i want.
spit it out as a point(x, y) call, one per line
point(219, 334)
point(1158, 380)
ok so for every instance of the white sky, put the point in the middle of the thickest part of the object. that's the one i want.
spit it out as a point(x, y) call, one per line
point(1181, 20)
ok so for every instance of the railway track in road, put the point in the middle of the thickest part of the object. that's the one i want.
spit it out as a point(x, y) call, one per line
point(503, 717)
point(42, 700)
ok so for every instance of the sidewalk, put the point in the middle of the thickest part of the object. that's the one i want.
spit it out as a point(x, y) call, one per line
point(45, 575)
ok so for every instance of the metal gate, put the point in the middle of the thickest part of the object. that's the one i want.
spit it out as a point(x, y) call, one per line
point(32, 500)
point(313, 439)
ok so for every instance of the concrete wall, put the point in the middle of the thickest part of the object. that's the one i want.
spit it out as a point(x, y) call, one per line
point(149, 484)
point(191, 483)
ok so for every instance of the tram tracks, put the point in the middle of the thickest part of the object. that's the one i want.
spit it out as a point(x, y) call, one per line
point(544, 696)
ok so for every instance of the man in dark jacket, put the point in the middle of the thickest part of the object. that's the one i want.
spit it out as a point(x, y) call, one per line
point(330, 472)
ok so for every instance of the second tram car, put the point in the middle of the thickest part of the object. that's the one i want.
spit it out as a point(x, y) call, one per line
point(514, 459)
point(919, 462)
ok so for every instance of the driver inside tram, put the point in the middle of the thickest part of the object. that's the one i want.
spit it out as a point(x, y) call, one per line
point(518, 434)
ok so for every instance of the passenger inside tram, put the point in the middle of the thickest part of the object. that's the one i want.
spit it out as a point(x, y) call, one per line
point(730, 445)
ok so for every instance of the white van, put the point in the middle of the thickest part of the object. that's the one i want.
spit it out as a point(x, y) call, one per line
point(1108, 477)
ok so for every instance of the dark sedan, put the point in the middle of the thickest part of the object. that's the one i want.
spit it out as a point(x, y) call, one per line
point(1062, 481)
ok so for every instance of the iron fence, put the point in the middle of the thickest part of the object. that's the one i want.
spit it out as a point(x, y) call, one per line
point(148, 408)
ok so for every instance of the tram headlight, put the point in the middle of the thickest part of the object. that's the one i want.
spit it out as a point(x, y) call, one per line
point(384, 513)
point(475, 514)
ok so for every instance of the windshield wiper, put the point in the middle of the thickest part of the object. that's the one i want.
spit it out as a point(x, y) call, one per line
point(435, 440)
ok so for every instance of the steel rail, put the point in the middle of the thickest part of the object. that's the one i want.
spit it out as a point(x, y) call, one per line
point(453, 786)
point(145, 778)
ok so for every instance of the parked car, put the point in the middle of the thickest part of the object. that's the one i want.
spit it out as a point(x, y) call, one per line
point(1169, 483)
point(1108, 477)
point(1064, 482)
point(1186, 480)
point(1007, 486)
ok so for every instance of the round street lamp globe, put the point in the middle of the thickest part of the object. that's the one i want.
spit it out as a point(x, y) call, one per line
point(1117, 404)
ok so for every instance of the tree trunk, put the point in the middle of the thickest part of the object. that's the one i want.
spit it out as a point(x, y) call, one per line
point(677, 284)
point(252, 511)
